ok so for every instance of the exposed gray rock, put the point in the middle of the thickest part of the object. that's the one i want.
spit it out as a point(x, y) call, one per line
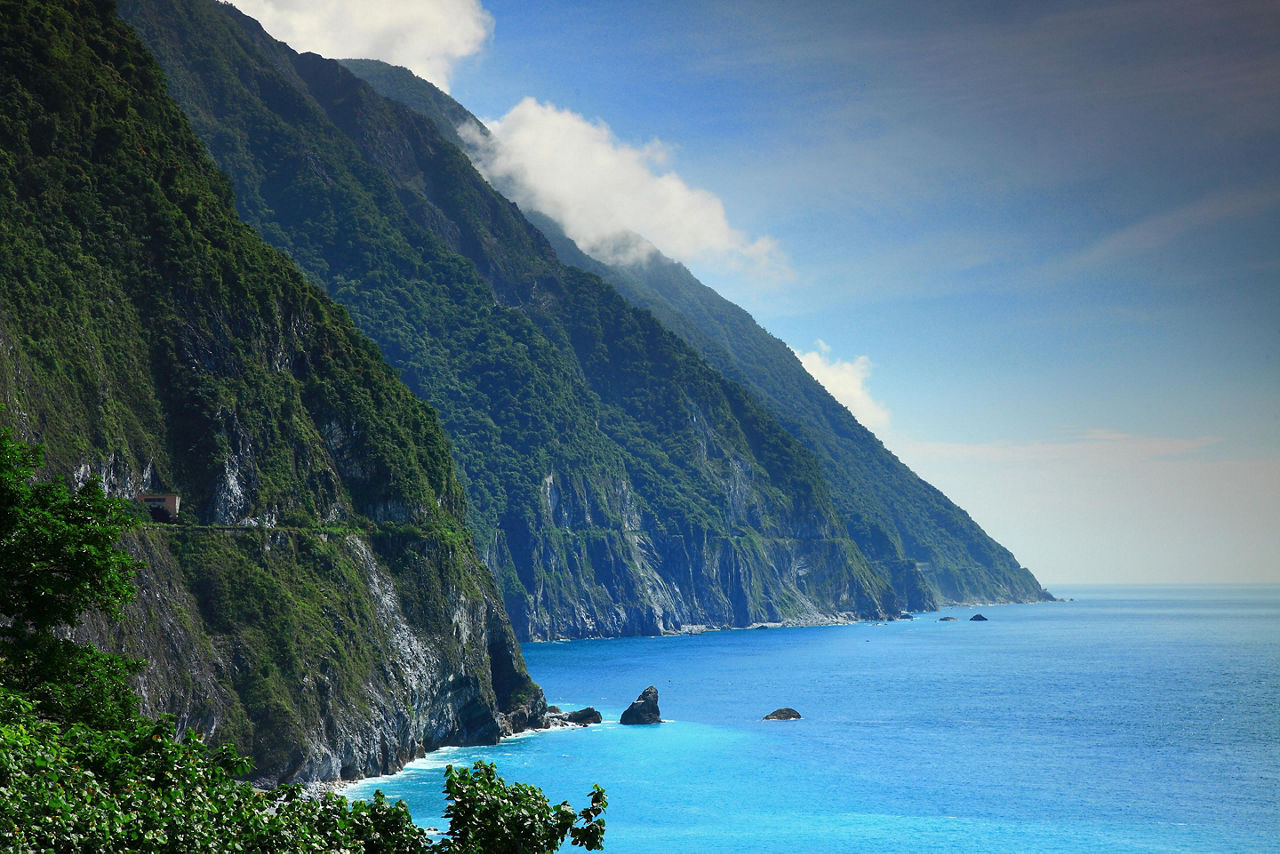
point(580, 717)
point(946, 619)
point(783, 714)
point(645, 708)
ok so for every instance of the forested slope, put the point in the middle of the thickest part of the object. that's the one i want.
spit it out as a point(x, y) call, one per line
point(319, 601)
point(899, 521)
point(618, 484)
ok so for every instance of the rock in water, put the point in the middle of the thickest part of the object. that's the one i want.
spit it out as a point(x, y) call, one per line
point(583, 717)
point(946, 619)
point(783, 714)
point(645, 709)
point(977, 618)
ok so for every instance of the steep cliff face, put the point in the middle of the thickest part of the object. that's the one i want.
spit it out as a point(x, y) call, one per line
point(929, 548)
point(910, 530)
point(319, 602)
point(617, 483)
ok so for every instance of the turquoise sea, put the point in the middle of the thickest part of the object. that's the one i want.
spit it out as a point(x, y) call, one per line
point(1129, 719)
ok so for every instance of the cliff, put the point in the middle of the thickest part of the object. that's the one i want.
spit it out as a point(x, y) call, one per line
point(319, 601)
point(617, 483)
point(930, 549)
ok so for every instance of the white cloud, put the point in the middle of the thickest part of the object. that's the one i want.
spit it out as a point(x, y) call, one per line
point(847, 382)
point(604, 192)
point(429, 38)
point(1108, 507)
point(1159, 231)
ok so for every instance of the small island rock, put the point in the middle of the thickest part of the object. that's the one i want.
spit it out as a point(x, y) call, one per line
point(645, 709)
point(557, 717)
point(977, 618)
point(946, 619)
point(783, 714)
point(583, 717)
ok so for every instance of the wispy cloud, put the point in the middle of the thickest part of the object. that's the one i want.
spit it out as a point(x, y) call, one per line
point(604, 192)
point(1159, 231)
point(427, 37)
point(847, 383)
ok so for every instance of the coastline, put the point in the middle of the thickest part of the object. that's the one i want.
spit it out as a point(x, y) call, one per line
point(338, 787)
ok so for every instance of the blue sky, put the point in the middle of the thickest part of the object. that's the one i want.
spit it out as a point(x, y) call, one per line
point(1036, 247)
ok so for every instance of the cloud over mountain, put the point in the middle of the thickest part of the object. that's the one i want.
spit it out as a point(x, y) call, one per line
point(604, 192)
point(847, 382)
point(427, 38)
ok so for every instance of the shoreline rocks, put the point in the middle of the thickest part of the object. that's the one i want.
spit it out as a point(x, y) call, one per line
point(644, 710)
point(556, 717)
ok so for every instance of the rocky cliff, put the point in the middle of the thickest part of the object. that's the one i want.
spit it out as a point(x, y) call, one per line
point(617, 483)
point(319, 600)
point(929, 549)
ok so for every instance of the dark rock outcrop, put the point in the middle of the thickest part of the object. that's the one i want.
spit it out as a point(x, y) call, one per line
point(645, 708)
point(783, 714)
point(977, 618)
point(946, 619)
point(556, 717)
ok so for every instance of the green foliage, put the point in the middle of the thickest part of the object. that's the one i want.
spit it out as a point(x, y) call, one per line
point(58, 559)
point(487, 815)
point(102, 779)
point(69, 681)
point(137, 789)
point(57, 547)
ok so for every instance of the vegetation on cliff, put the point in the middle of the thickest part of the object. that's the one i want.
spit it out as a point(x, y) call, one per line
point(80, 771)
point(617, 483)
point(932, 548)
point(319, 603)
point(900, 522)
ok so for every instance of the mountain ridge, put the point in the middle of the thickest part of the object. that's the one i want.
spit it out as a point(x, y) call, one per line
point(618, 483)
point(899, 521)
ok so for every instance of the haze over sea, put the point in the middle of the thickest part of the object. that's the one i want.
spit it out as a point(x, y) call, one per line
point(1131, 719)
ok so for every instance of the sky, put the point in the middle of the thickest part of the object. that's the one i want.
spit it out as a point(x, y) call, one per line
point(1034, 246)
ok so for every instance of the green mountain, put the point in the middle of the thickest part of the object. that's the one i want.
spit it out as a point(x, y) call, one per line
point(891, 513)
point(899, 521)
point(319, 601)
point(616, 482)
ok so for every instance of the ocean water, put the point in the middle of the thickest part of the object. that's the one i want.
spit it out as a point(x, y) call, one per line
point(1129, 719)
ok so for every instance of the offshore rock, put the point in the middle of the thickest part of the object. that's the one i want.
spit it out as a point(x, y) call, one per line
point(977, 618)
point(645, 708)
point(578, 717)
point(783, 714)
point(946, 619)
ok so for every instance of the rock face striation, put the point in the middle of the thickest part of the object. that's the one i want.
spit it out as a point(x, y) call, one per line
point(319, 602)
point(928, 548)
point(644, 710)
